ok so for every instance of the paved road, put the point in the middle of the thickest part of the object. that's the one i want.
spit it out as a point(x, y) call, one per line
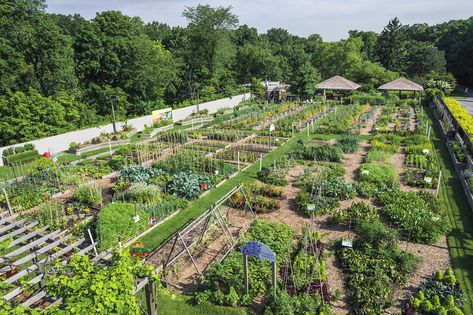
point(468, 101)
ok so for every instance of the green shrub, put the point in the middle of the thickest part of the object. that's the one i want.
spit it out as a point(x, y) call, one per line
point(418, 214)
point(348, 144)
point(188, 185)
point(139, 174)
point(426, 306)
point(141, 194)
point(358, 212)
point(337, 188)
point(388, 143)
point(376, 155)
point(115, 223)
point(273, 176)
point(375, 250)
point(53, 215)
point(376, 178)
point(317, 152)
point(88, 196)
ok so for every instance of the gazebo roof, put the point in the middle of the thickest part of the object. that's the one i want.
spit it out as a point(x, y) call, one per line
point(401, 84)
point(337, 83)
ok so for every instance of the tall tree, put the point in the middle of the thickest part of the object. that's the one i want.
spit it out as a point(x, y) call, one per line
point(210, 49)
point(369, 39)
point(37, 52)
point(115, 56)
point(391, 46)
point(424, 58)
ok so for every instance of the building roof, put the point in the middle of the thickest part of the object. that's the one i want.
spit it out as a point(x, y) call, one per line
point(337, 83)
point(401, 84)
point(274, 86)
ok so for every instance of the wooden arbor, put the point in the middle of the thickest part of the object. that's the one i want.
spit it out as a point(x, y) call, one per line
point(337, 83)
point(193, 235)
point(401, 84)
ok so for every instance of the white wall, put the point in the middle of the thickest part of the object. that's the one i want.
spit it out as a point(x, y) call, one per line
point(61, 142)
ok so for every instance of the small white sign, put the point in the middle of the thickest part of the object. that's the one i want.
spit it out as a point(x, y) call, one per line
point(272, 128)
point(347, 243)
point(365, 172)
point(428, 180)
point(310, 207)
point(136, 218)
point(425, 151)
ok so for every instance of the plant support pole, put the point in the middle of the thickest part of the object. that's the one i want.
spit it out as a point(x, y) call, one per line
point(245, 273)
point(438, 184)
point(260, 161)
point(7, 201)
point(92, 240)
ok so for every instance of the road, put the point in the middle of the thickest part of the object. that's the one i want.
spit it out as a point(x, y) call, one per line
point(468, 101)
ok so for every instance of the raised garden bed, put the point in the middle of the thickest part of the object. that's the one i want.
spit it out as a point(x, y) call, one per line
point(92, 147)
point(194, 120)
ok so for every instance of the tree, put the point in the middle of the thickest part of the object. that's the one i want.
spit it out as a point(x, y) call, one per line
point(256, 61)
point(115, 56)
point(245, 35)
point(210, 50)
point(370, 75)
point(29, 116)
point(391, 46)
point(305, 77)
point(369, 39)
point(424, 58)
point(37, 53)
point(338, 58)
point(461, 61)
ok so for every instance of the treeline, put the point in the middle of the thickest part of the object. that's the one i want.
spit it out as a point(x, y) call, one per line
point(57, 72)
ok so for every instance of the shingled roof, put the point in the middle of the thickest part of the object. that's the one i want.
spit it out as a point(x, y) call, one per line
point(337, 83)
point(401, 84)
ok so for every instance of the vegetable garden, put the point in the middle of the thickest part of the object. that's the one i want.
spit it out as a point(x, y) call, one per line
point(342, 215)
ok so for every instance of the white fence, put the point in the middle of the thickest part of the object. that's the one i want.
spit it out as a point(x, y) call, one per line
point(61, 142)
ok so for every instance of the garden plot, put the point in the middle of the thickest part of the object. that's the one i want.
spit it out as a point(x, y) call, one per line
point(370, 120)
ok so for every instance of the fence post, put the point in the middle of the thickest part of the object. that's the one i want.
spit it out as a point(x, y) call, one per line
point(150, 300)
point(10, 211)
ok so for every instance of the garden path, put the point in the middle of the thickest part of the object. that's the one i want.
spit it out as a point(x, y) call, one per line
point(412, 119)
point(288, 215)
point(366, 131)
point(351, 161)
point(433, 258)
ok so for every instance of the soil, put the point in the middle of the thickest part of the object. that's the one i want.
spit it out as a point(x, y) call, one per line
point(432, 257)
point(365, 131)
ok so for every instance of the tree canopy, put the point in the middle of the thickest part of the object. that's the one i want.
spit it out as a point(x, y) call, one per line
point(74, 65)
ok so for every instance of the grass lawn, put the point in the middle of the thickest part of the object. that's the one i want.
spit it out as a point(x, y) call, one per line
point(460, 239)
point(8, 172)
point(180, 306)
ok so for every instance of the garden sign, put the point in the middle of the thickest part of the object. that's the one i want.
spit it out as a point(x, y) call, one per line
point(258, 250)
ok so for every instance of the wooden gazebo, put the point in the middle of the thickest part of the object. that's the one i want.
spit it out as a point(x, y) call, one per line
point(337, 83)
point(401, 84)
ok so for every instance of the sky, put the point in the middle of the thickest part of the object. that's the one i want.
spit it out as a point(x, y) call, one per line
point(332, 19)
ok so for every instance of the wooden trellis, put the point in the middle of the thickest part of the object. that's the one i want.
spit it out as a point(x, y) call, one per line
point(32, 250)
point(190, 236)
